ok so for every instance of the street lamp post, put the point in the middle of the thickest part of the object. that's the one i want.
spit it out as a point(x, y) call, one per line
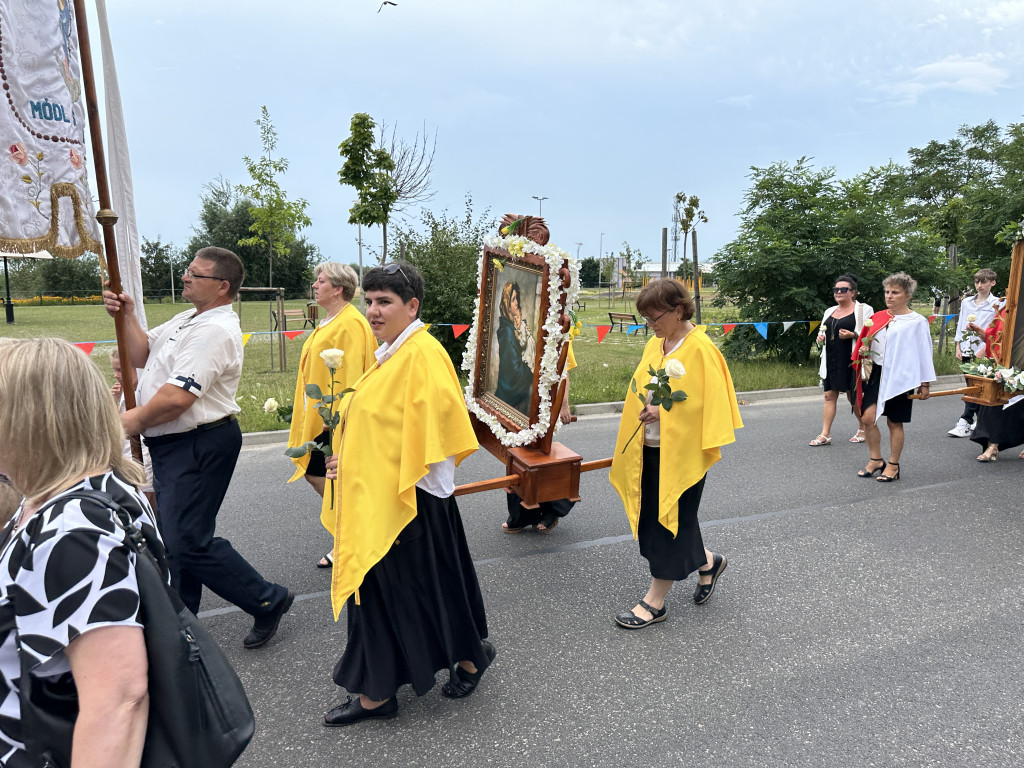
point(540, 204)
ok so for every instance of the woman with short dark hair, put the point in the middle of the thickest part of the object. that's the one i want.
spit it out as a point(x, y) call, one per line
point(660, 475)
point(402, 566)
point(839, 327)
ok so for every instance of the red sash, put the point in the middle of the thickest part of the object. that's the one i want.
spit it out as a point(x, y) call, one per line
point(878, 321)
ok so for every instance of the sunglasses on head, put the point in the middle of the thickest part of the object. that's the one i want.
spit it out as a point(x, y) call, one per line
point(390, 269)
point(843, 289)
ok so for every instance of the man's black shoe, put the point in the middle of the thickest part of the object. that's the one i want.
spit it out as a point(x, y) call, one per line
point(265, 626)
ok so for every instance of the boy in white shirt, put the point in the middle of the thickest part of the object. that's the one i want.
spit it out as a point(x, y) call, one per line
point(976, 312)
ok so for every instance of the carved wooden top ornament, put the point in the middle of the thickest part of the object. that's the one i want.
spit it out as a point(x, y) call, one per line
point(530, 227)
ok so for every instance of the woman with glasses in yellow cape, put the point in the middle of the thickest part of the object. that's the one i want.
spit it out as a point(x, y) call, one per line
point(661, 498)
point(402, 565)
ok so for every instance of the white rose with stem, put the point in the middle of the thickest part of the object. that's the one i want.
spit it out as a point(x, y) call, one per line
point(332, 359)
point(660, 390)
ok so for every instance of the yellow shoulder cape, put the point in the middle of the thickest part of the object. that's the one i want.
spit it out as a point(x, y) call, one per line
point(691, 433)
point(349, 332)
point(405, 415)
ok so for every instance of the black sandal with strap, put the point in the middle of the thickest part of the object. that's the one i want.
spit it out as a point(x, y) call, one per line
point(871, 472)
point(883, 478)
point(703, 591)
point(630, 620)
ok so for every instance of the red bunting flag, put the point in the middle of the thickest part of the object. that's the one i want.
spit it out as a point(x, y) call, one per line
point(458, 330)
point(602, 331)
point(86, 346)
point(727, 327)
point(292, 334)
point(931, 319)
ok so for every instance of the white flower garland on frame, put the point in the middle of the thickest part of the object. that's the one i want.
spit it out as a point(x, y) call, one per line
point(553, 340)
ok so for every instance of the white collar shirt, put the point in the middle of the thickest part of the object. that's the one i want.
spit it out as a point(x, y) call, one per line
point(202, 354)
point(984, 312)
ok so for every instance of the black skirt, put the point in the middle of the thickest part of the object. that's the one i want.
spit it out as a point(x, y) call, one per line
point(1004, 428)
point(897, 409)
point(670, 558)
point(420, 608)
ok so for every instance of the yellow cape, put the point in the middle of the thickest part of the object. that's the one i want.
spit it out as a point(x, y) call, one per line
point(691, 433)
point(406, 414)
point(348, 331)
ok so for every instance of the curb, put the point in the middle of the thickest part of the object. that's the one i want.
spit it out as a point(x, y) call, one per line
point(942, 384)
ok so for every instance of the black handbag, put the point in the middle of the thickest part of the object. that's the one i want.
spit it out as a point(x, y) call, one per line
point(199, 714)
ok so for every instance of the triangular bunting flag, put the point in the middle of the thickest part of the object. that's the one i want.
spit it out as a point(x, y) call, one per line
point(949, 317)
point(602, 331)
point(292, 334)
point(814, 324)
point(86, 346)
point(931, 319)
point(727, 327)
point(762, 328)
point(633, 329)
point(245, 338)
point(787, 324)
point(458, 330)
point(426, 326)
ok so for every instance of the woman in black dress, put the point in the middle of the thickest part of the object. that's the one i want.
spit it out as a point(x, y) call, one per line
point(997, 428)
point(840, 325)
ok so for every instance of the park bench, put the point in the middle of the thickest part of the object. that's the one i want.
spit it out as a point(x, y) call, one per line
point(625, 319)
point(293, 316)
point(579, 306)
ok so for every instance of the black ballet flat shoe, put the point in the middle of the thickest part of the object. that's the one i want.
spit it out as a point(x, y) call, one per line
point(887, 478)
point(703, 592)
point(629, 620)
point(871, 472)
point(463, 683)
point(352, 712)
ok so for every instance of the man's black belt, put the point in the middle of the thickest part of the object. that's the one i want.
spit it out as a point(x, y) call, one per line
point(162, 439)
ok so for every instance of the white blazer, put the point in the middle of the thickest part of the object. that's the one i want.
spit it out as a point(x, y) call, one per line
point(861, 312)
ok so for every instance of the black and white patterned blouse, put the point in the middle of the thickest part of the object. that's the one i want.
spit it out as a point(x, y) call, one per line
point(77, 575)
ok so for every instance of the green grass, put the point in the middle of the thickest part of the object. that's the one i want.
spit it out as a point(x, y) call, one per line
point(602, 375)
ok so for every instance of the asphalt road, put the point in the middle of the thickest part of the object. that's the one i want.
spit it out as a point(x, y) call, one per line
point(858, 624)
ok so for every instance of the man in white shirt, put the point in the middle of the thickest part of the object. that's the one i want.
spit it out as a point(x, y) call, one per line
point(186, 414)
point(976, 312)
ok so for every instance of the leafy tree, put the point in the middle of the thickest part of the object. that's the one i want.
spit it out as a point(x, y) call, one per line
point(161, 265)
point(632, 261)
point(56, 276)
point(446, 251)
point(276, 220)
point(224, 219)
point(689, 214)
point(801, 228)
point(368, 169)
point(590, 272)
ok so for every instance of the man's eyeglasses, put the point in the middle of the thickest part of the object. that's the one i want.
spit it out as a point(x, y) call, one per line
point(841, 289)
point(190, 274)
point(390, 269)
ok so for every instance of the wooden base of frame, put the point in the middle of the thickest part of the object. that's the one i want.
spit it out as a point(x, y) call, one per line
point(544, 476)
point(990, 391)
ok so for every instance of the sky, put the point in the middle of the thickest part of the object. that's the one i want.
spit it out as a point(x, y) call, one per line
point(605, 108)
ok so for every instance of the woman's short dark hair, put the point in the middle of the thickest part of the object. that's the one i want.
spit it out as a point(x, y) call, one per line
point(847, 277)
point(665, 295)
point(399, 277)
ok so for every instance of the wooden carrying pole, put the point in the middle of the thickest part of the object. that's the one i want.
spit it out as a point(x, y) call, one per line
point(106, 217)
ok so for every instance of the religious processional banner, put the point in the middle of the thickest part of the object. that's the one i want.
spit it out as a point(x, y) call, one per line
point(45, 202)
